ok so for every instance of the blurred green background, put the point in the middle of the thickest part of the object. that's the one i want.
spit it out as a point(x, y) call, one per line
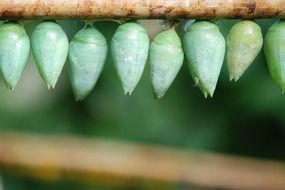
point(244, 118)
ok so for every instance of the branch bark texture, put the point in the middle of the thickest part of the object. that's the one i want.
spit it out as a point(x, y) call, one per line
point(140, 9)
point(120, 163)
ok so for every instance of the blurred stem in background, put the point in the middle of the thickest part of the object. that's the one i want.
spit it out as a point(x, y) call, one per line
point(120, 164)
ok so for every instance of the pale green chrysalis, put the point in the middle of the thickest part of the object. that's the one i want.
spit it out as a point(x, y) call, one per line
point(14, 52)
point(204, 46)
point(87, 55)
point(130, 46)
point(274, 48)
point(244, 43)
point(166, 58)
point(50, 49)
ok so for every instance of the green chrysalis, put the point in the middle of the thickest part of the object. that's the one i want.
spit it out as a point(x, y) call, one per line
point(50, 49)
point(274, 48)
point(14, 52)
point(87, 55)
point(244, 43)
point(130, 46)
point(166, 58)
point(204, 46)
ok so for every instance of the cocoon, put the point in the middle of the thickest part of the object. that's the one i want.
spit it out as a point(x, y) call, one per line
point(14, 52)
point(50, 49)
point(244, 43)
point(274, 48)
point(87, 55)
point(166, 58)
point(129, 47)
point(204, 46)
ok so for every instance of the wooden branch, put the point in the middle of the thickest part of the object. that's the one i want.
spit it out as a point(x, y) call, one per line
point(138, 9)
point(117, 163)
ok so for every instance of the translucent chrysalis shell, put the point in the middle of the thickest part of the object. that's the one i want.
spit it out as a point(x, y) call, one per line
point(244, 43)
point(204, 46)
point(14, 52)
point(166, 58)
point(50, 49)
point(87, 55)
point(130, 47)
point(274, 48)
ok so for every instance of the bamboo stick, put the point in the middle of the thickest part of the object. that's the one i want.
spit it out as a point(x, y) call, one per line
point(118, 163)
point(139, 9)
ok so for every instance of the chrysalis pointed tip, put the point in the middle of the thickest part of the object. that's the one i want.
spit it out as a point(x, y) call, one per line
point(208, 93)
point(127, 93)
point(158, 96)
point(50, 86)
point(79, 96)
point(205, 95)
point(10, 85)
point(53, 86)
point(234, 78)
point(212, 95)
point(11, 89)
